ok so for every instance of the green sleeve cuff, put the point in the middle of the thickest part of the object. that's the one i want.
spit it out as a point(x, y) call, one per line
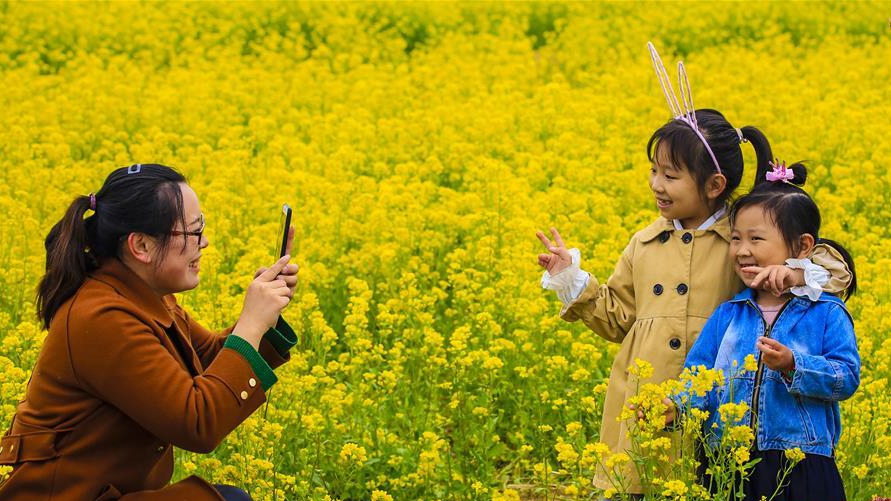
point(281, 337)
point(260, 367)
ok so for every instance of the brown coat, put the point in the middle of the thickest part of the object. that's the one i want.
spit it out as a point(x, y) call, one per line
point(664, 288)
point(122, 377)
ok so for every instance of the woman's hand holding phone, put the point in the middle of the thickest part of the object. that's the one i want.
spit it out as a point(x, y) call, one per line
point(266, 297)
point(269, 292)
point(289, 272)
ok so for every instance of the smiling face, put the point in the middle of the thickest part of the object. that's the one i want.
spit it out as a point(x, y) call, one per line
point(756, 241)
point(179, 266)
point(677, 193)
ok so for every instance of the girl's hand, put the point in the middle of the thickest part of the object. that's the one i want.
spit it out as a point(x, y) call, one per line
point(671, 411)
point(669, 414)
point(775, 354)
point(775, 278)
point(266, 297)
point(559, 257)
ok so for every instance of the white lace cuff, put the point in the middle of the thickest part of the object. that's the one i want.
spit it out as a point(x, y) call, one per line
point(815, 277)
point(569, 282)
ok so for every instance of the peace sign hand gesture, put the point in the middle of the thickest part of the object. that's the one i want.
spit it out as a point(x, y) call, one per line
point(558, 258)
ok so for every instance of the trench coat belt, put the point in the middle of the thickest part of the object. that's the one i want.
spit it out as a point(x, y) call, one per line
point(34, 446)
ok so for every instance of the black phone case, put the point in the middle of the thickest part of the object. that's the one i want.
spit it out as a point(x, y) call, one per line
point(284, 241)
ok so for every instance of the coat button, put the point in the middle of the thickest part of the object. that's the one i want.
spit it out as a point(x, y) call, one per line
point(664, 236)
point(687, 238)
point(252, 382)
point(244, 395)
point(675, 343)
point(682, 289)
point(657, 289)
point(161, 448)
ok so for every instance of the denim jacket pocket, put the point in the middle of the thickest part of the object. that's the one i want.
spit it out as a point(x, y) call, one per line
point(807, 424)
point(786, 415)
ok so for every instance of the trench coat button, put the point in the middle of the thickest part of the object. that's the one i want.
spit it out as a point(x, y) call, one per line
point(687, 238)
point(675, 343)
point(244, 395)
point(252, 382)
point(160, 448)
point(664, 236)
point(657, 289)
point(682, 289)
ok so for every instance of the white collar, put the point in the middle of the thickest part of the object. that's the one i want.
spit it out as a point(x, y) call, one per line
point(705, 224)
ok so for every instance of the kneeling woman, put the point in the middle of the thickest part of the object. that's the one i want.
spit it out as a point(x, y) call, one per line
point(125, 373)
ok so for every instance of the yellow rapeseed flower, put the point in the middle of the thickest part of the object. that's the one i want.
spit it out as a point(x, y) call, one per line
point(353, 453)
point(795, 455)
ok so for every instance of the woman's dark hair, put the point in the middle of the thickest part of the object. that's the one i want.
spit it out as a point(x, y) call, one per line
point(794, 213)
point(142, 198)
point(686, 149)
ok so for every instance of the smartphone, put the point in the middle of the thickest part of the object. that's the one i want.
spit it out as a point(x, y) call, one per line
point(281, 245)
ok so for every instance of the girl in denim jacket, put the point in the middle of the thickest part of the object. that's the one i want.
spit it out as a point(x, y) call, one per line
point(805, 346)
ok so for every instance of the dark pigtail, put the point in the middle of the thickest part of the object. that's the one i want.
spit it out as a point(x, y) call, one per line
point(800, 172)
point(763, 152)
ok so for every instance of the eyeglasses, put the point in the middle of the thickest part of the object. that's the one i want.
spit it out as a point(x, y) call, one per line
point(199, 233)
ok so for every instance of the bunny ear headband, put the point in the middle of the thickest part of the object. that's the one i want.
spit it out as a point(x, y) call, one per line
point(682, 109)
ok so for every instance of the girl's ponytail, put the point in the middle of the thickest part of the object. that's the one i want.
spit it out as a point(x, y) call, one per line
point(66, 260)
point(763, 152)
point(852, 287)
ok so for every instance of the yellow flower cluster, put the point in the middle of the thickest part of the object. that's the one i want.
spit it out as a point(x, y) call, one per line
point(421, 146)
point(352, 453)
point(732, 413)
point(795, 455)
point(641, 369)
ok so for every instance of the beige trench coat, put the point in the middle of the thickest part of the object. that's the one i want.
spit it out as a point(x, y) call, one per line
point(665, 286)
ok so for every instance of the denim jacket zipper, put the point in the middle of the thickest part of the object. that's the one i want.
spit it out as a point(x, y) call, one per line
point(759, 375)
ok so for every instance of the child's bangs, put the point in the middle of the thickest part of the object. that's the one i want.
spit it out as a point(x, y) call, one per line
point(678, 144)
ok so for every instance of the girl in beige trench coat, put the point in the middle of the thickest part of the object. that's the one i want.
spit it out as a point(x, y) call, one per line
point(125, 374)
point(676, 271)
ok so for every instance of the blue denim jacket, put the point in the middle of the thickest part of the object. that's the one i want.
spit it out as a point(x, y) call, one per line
point(802, 413)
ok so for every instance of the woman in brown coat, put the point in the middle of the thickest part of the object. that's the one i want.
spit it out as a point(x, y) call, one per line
point(125, 374)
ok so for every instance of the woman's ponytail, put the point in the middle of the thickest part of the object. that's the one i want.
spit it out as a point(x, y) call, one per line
point(66, 260)
point(763, 152)
point(141, 198)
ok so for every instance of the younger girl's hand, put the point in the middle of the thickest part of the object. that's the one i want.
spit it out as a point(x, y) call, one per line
point(775, 278)
point(558, 258)
point(775, 354)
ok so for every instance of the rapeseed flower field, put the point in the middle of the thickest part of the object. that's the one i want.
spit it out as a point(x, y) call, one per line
point(422, 145)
